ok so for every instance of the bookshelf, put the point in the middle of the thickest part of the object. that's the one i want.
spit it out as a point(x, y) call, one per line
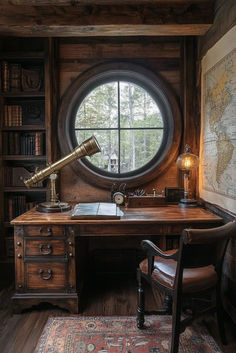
point(24, 141)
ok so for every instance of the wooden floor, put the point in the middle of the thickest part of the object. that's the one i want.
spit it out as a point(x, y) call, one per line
point(20, 333)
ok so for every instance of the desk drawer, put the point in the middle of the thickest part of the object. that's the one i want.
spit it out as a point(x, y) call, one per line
point(46, 275)
point(44, 230)
point(45, 247)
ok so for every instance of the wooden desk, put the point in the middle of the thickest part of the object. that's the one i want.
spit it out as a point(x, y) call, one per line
point(49, 247)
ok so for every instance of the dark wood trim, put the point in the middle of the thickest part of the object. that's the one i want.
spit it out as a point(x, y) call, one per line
point(226, 215)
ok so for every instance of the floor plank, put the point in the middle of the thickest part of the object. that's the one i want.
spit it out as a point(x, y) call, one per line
point(104, 296)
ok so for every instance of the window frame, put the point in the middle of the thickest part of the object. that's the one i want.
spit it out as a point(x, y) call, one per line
point(158, 90)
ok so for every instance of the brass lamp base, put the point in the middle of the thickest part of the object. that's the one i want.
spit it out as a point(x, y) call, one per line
point(53, 207)
point(188, 203)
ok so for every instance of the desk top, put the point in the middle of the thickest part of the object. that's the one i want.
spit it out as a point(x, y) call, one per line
point(156, 215)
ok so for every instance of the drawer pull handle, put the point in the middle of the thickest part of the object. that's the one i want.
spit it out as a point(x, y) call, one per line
point(49, 231)
point(45, 249)
point(45, 277)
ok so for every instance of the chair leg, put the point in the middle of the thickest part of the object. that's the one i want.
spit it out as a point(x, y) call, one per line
point(220, 314)
point(141, 301)
point(176, 315)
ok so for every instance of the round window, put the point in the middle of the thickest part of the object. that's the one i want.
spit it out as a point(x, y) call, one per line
point(131, 113)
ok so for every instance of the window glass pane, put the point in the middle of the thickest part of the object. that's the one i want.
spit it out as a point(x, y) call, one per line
point(99, 108)
point(107, 160)
point(138, 147)
point(127, 123)
point(137, 107)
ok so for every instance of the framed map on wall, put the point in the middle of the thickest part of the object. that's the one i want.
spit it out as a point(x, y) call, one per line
point(218, 130)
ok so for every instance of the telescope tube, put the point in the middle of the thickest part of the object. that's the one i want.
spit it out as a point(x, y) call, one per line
point(87, 148)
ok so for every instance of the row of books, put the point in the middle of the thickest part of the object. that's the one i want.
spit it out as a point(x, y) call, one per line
point(10, 76)
point(15, 176)
point(16, 205)
point(12, 115)
point(16, 143)
point(15, 78)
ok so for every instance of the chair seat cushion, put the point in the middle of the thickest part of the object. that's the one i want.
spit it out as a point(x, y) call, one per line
point(194, 279)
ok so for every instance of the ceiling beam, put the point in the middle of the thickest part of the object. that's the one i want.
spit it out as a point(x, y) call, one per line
point(98, 2)
point(113, 20)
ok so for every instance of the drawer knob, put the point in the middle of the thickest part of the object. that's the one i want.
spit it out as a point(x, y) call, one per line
point(47, 276)
point(70, 243)
point(19, 256)
point(70, 254)
point(18, 243)
point(45, 249)
point(48, 231)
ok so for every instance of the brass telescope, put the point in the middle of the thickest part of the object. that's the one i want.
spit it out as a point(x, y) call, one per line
point(87, 148)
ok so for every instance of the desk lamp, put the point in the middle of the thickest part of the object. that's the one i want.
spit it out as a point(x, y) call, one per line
point(87, 148)
point(187, 162)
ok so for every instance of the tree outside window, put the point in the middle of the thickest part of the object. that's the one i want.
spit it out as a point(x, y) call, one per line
point(127, 123)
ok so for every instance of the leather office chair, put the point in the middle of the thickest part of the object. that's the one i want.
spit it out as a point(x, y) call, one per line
point(190, 272)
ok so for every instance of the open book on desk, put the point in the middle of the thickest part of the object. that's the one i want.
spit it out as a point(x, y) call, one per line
point(96, 210)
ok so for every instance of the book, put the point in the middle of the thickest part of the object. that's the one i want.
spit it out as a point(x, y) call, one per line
point(15, 77)
point(12, 115)
point(5, 76)
point(96, 210)
point(38, 143)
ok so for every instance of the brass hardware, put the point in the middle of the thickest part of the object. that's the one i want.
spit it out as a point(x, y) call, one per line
point(18, 243)
point(46, 277)
point(19, 256)
point(20, 286)
point(49, 230)
point(70, 254)
point(70, 243)
point(45, 249)
point(87, 148)
point(72, 232)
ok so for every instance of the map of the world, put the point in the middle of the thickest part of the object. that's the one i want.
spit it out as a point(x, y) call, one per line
point(219, 138)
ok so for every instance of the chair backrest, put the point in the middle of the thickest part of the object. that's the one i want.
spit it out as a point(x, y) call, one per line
point(202, 247)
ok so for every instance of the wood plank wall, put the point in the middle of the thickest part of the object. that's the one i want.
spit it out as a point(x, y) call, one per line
point(76, 55)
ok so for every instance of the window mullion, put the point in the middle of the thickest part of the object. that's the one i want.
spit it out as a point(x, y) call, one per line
point(118, 86)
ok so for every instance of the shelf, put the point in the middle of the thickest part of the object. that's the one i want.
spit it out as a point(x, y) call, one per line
point(26, 56)
point(24, 127)
point(23, 189)
point(23, 94)
point(23, 158)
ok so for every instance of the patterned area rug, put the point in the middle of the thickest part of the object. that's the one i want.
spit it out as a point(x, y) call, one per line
point(77, 334)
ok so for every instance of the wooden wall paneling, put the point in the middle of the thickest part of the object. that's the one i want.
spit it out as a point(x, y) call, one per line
point(120, 50)
point(191, 110)
point(224, 19)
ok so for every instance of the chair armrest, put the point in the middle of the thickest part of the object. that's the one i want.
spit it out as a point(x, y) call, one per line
point(152, 250)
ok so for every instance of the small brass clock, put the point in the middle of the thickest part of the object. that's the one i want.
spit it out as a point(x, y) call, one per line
point(118, 198)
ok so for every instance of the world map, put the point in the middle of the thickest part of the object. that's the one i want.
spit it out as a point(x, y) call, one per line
point(219, 136)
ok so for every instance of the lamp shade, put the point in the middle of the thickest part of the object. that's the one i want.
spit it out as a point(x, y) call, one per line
point(187, 160)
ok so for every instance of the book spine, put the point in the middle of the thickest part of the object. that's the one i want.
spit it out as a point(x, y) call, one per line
point(5, 142)
point(6, 117)
point(5, 75)
point(39, 144)
point(15, 77)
